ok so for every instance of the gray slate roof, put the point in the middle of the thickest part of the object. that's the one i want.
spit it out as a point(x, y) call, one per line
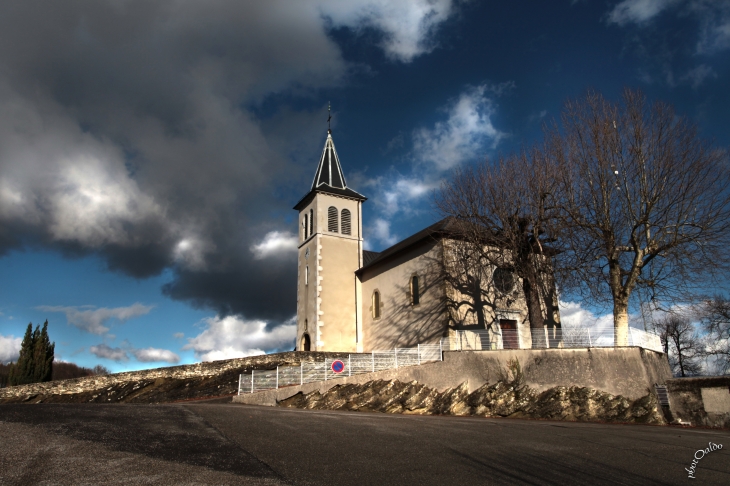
point(329, 177)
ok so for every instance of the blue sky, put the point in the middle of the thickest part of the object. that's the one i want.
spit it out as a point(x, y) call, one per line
point(151, 152)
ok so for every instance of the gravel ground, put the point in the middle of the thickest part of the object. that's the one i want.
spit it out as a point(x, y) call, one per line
point(120, 444)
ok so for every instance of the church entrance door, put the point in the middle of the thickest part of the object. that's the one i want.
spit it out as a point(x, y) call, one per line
point(510, 339)
point(306, 343)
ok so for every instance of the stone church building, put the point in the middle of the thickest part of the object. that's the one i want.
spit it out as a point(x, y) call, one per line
point(353, 300)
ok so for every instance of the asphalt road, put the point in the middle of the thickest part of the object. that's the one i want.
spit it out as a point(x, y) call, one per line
point(236, 444)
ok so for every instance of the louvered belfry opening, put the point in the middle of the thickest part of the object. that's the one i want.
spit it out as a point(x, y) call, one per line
point(311, 222)
point(346, 226)
point(332, 219)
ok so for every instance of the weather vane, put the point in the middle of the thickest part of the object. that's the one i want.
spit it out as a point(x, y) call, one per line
point(329, 116)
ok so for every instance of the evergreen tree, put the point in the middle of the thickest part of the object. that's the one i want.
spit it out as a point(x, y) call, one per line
point(42, 355)
point(21, 372)
point(35, 362)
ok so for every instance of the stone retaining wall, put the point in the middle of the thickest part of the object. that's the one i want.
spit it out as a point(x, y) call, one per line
point(631, 372)
point(209, 368)
point(703, 401)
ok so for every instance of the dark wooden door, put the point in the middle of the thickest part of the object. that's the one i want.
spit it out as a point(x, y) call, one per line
point(510, 340)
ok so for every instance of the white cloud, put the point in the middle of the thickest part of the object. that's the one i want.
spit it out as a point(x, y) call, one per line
point(713, 17)
point(638, 11)
point(275, 244)
point(408, 28)
point(149, 355)
point(465, 135)
point(233, 337)
point(698, 75)
point(107, 352)
point(179, 335)
point(573, 314)
point(714, 26)
point(379, 230)
point(462, 136)
point(191, 252)
point(92, 320)
point(9, 348)
point(145, 355)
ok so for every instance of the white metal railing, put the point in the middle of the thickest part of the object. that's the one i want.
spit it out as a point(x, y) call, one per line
point(331, 368)
point(570, 337)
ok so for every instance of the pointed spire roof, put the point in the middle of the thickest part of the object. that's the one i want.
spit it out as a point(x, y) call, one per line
point(329, 177)
point(329, 171)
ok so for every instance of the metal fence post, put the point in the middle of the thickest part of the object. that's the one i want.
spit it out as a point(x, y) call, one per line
point(590, 345)
point(301, 373)
point(418, 354)
point(373, 361)
point(349, 365)
point(325, 369)
point(252, 381)
point(239, 383)
point(395, 353)
point(277, 377)
point(441, 349)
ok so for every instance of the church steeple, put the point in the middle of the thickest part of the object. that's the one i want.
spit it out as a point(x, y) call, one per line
point(329, 170)
point(329, 177)
point(330, 252)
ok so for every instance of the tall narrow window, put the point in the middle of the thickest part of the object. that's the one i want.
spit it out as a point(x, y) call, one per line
point(332, 219)
point(306, 275)
point(346, 227)
point(311, 222)
point(376, 305)
point(305, 226)
point(415, 291)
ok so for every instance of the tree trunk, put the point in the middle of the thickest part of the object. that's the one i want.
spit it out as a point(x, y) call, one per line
point(621, 323)
point(555, 331)
point(534, 313)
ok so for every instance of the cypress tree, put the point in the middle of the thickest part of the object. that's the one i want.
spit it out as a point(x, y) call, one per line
point(21, 372)
point(43, 356)
point(35, 362)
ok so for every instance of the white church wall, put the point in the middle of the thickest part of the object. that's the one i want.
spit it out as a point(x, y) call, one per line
point(401, 323)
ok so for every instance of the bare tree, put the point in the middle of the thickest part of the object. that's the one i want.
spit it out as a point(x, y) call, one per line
point(682, 344)
point(505, 212)
point(715, 314)
point(645, 201)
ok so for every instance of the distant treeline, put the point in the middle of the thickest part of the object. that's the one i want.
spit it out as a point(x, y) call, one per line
point(61, 371)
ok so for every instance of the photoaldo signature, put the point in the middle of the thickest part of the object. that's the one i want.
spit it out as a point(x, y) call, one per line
point(699, 455)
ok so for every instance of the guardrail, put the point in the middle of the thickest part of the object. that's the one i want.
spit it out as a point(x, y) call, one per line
point(331, 368)
point(581, 337)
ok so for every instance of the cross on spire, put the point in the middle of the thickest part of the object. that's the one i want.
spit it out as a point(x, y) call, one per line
point(329, 117)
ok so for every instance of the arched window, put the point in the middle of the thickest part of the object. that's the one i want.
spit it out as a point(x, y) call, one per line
point(306, 275)
point(311, 222)
point(305, 226)
point(376, 305)
point(346, 227)
point(332, 219)
point(415, 291)
point(306, 343)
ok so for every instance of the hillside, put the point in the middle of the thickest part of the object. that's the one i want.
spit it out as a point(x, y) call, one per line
point(159, 385)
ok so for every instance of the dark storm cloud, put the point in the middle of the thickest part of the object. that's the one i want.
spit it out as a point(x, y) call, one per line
point(257, 289)
point(126, 131)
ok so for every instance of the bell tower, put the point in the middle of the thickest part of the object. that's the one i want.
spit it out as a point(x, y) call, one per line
point(330, 251)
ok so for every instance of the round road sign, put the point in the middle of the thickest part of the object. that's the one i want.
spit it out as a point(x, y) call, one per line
point(338, 366)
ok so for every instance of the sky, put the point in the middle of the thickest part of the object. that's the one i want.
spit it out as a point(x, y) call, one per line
point(151, 151)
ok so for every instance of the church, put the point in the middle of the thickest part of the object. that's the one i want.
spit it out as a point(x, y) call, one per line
point(415, 292)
